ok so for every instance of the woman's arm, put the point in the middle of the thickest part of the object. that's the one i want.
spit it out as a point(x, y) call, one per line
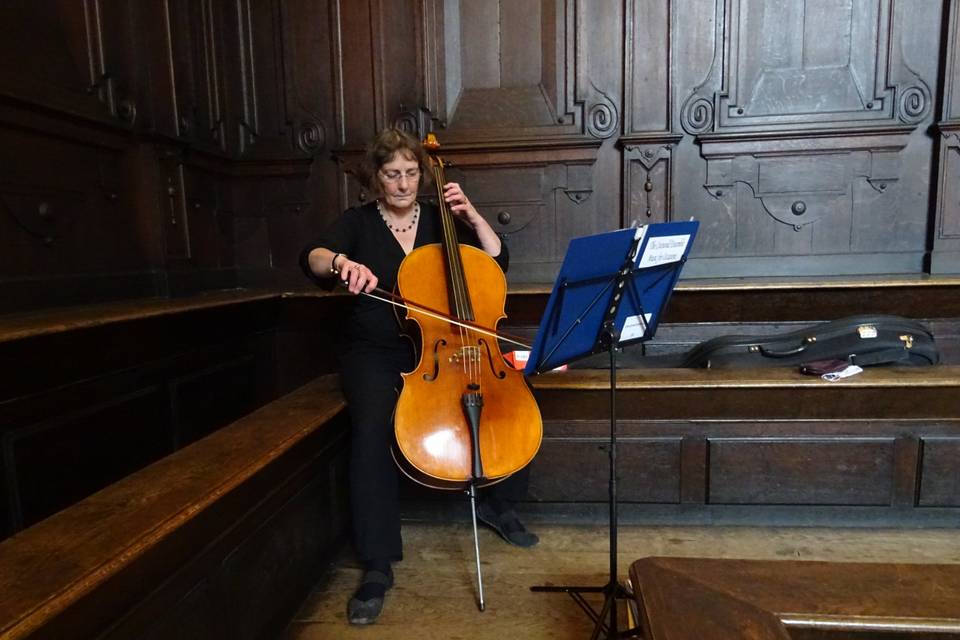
point(355, 276)
point(461, 207)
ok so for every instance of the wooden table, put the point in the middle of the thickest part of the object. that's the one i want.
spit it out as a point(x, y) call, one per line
point(703, 598)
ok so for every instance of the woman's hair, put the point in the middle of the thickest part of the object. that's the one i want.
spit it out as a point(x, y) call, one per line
point(385, 147)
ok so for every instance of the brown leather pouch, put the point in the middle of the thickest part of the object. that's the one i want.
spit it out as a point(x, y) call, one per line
point(820, 367)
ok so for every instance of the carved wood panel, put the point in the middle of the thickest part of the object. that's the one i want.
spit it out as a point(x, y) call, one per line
point(649, 470)
point(519, 69)
point(939, 481)
point(195, 66)
point(801, 471)
point(309, 76)
point(811, 138)
point(70, 56)
point(60, 203)
point(946, 236)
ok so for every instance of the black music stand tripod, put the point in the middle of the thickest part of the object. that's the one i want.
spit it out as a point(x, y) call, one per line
point(590, 313)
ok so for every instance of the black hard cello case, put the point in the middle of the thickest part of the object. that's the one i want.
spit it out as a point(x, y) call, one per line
point(866, 340)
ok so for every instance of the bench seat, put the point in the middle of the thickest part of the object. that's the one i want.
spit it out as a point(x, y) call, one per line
point(753, 446)
point(768, 392)
point(101, 562)
point(694, 598)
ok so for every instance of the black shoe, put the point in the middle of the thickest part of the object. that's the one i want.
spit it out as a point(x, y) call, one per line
point(507, 525)
point(367, 603)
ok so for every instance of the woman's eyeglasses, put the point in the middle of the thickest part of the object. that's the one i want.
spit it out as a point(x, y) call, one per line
point(393, 177)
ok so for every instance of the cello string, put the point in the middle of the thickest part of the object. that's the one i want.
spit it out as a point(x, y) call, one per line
point(399, 301)
point(452, 247)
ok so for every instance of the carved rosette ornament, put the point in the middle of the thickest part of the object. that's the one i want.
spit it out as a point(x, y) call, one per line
point(602, 116)
point(696, 115)
point(913, 103)
point(407, 122)
point(310, 136)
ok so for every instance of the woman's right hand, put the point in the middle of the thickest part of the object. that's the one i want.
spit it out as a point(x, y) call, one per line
point(355, 276)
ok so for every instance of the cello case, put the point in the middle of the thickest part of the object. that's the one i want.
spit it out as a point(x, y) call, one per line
point(861, 340)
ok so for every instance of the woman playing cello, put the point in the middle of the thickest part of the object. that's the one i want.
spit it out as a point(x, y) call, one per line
point(364, 248)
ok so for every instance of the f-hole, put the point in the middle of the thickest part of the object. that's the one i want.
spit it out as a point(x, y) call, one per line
point(430, 377)
point(501, 374)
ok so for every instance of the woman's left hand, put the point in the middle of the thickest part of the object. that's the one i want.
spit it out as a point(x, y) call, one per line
point(460, 205)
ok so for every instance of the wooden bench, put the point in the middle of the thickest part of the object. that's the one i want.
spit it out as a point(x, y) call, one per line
point(696, 598)
point(754, 446)
point(90, 394)
point(221, 539)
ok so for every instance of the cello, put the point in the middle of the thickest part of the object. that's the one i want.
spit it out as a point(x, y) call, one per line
point(465, 418)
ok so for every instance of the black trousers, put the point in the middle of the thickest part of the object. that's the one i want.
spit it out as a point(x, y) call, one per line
point(371, 380)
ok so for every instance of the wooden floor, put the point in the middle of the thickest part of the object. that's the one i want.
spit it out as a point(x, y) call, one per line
point(434, 596)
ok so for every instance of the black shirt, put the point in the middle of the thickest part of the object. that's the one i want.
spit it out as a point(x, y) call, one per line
point(362, 235)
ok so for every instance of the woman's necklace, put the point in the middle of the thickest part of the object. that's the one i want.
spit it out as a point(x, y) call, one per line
point(399, 229)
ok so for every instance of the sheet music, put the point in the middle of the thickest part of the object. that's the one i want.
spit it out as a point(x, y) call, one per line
point(635, 327)
point(663, 250)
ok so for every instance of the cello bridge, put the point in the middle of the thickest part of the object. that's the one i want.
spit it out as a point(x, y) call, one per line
point(469, 355)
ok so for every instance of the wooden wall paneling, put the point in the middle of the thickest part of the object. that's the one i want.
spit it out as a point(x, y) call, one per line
point(58, 462)
point(517, 202)
point(888, 469)
point(251, 237)
point(359, 106)
point(307, 43)
point(647, 96)
point(286, 200)
point(205, 400)
point(195, 69)
point(647, 142)
point(173, 195)
point(815, 152)
point(311, 99)
point(157, 108)
point(72, 232)
point(208, 243)
point(438, 36)
point(648, 179)
point(58, 55)
point(62, 193)
point(263, 119)
point(574, 470)
point(906, 478)
point(939, 476)
point(946, 232)
point(536, 198)
point(524, 105)
point(183, 72)
point(693, 469)
point(398, 64)
point(599, 80)
point(510, 70)
point(124, 71)
point(763, 470)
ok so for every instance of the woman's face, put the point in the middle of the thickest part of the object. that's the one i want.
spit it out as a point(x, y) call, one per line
point(399, 181)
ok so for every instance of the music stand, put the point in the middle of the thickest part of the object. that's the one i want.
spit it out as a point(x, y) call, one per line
point(609, 294)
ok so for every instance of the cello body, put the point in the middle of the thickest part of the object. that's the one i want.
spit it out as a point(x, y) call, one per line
point(436, 445)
